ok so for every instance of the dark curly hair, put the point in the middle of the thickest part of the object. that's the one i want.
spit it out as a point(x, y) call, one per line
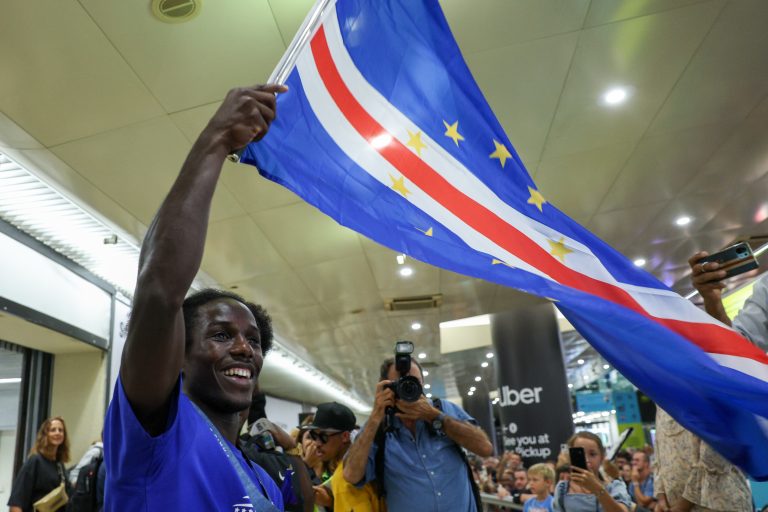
point(192, 305)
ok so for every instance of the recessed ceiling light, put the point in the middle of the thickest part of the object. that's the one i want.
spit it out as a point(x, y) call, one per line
point(489, 355)
point(427, 386)
point(471, 393)
point(415, 326)
point(639, 262)
point(580, 361)
point(478, 379)
point(472, 389)
point(683, 221)
point(615, 96)
point(406, 271)
point(429, 395)
point(425, 373)
point(484, 364)
point(606, 366)
point(570, 386)
point(422, 355)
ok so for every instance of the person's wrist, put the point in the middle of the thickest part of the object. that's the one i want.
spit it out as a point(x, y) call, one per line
point(433, 413)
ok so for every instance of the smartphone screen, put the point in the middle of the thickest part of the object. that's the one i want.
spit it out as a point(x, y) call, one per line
point(578, 457)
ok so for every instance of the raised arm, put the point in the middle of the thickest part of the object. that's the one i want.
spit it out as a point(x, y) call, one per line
point(172, 252)
point(356, 459)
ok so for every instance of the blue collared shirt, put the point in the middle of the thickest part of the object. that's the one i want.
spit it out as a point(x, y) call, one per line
point(646, 487)
point(425, 473)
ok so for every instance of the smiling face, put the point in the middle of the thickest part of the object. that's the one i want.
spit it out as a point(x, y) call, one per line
point(55, 435)
point(224, 358)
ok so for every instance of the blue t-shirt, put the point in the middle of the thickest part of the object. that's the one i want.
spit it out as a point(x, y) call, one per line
point(534, 505)
point(425, 473)
point(184, 468)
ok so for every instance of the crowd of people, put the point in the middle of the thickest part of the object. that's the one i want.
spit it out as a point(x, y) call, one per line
point(178, 434)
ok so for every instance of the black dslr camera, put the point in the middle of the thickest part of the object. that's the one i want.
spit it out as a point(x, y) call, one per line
point(406, 387)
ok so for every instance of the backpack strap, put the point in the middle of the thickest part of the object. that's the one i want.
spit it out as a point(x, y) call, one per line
point(561, 490)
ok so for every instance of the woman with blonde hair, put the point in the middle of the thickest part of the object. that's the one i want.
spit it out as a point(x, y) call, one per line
point(44, 469)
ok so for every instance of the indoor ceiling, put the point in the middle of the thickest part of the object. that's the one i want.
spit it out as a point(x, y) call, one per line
point(104, 100)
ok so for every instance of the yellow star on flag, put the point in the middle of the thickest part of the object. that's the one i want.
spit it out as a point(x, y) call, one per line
point(494, 261)
point(536, 198)
point(501, 152)
point(558, 249)
point(415, 142)
point(452, 132)
point(399, 185)
point(427, 232)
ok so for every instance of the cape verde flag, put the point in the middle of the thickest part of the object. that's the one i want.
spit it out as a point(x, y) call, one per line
point(385, 130)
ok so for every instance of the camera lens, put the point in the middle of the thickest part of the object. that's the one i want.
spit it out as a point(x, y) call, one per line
point(408, 388)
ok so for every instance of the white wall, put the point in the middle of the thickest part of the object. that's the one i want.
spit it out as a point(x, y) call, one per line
point(283, 413)
point(7, 448)
point(79, 382)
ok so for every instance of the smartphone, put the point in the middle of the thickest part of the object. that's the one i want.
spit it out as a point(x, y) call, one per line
point(735, 259)
point(578, 457)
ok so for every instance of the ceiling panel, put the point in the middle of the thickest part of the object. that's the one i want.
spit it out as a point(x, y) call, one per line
point(61, 75)
point(741, 159)
point(747, 209)
point(522, 93)
point(620, 228)
point(662, 165)
point(702, 208)
point(348, 277)
point(502, 23)
point(289, 16)
point(303, 235)
point(279, 293)
point(575, 183)
point(609, 11)
point(646, 55)
point(236, 250)
point(229, 44)
point(727, 77)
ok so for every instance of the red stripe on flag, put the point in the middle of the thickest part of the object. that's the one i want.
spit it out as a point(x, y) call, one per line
point(709, 337)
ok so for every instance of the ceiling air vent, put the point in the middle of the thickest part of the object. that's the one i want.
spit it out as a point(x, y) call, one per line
point(410, 303)
point(175, 11)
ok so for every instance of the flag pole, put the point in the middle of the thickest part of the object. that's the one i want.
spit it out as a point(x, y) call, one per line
point(288, 60)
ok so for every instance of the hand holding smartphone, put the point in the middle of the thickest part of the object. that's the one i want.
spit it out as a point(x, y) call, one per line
point(735, 259)
point(578, 457)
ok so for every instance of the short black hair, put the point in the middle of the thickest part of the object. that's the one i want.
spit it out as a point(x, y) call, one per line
point(192, 305)
point(387, 364)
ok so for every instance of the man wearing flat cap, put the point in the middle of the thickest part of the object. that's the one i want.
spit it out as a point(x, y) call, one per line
point(331, 433)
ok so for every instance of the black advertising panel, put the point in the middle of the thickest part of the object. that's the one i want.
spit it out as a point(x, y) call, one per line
point(534, 405)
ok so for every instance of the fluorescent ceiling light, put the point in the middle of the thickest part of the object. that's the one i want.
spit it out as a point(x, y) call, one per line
point(15, 380)
point(467, 322)
point(683, 221)
point(400, 259)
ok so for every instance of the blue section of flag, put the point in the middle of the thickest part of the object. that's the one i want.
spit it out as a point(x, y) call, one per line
point(405, 50)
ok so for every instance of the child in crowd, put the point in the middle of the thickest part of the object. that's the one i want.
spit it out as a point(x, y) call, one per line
point(540, 479)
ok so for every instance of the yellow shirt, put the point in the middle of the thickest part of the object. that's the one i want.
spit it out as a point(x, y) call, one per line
point(348, 498)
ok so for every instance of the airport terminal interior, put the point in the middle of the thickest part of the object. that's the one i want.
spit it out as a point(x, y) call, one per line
point(643, 120)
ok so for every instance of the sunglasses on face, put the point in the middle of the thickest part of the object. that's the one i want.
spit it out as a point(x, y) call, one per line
point(321, 436)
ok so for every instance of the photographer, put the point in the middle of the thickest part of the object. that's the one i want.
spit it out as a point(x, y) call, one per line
point(417, 462)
